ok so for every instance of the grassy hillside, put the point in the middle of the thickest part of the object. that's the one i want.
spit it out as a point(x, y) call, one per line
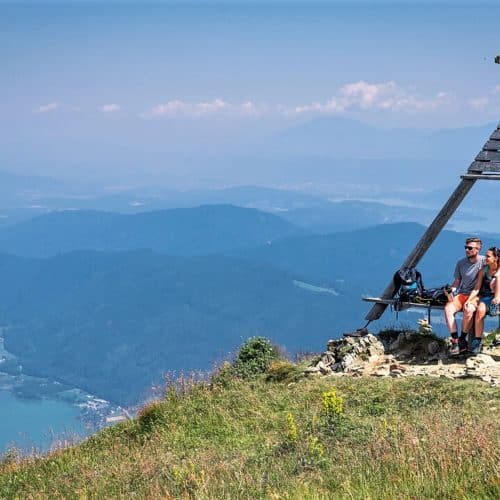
point(279, 436)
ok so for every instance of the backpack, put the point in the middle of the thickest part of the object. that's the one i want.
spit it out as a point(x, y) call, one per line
point(408, 286)
point(434, 296)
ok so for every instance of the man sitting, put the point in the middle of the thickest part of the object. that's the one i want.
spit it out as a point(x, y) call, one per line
point(466, 272)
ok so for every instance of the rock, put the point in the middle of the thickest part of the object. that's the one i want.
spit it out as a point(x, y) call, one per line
point(396, 367)
point(480, 360)
point(312, 369)
point(348, 362)
point(433, 347)
point(325, 370)
point(331, 345)
point(328, 358)
point(411, 354)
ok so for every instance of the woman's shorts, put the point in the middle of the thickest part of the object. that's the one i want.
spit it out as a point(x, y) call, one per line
point(486, 300)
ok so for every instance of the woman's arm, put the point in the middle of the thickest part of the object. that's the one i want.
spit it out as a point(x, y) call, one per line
point(495, 288)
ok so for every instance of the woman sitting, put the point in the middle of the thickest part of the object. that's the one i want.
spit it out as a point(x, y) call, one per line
point(488, 290)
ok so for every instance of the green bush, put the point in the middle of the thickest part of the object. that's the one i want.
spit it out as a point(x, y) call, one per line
point(283, 371)
point(254, 357)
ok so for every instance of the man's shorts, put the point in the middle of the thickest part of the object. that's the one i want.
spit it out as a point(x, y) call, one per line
point(462, 298)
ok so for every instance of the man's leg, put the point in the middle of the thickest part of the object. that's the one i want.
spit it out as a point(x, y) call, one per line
point(450, 309)
point(468, 318)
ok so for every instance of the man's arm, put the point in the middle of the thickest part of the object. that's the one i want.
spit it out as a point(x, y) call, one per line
point(458, 278)
point(477, 286)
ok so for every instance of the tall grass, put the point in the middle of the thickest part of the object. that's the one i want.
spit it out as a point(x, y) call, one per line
point(321, 438)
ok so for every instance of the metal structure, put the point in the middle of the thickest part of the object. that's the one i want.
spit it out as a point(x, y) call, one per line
point(486, 166)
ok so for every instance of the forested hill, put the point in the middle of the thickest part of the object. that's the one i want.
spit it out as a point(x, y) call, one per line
point(184, 231)
point(113, 323)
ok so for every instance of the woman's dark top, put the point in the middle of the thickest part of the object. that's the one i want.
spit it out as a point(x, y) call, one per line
point(485, 287)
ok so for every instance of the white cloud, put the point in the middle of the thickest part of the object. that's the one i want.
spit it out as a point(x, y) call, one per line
point(356, 96)
point(182, 108)
point(490, 101)
point(249, 108)
point(206, 108)
point(479, 102)
point(110, 108)
point(373, 96)
point(47, 108)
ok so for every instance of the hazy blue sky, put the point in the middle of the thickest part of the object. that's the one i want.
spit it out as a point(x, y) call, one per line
point(92, 86)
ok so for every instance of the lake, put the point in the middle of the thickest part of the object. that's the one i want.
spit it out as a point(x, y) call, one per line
point(28, 424)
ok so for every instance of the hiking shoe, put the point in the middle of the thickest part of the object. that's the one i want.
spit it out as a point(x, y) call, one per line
point(454, 349)
point(463, 345)
point(476, 345)
point(360, 332)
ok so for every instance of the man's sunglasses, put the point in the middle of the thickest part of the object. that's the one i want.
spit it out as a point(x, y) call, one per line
point(470, 248)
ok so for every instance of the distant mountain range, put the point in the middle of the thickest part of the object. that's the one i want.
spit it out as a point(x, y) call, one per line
point(204, 229)
point(113, 322)
point(188, 231)
point(307, 164)
point(337, 137)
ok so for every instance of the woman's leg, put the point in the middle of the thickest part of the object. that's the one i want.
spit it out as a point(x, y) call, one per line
point(479, 322)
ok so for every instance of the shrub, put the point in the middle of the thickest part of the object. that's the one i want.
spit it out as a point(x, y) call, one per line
point(283, 371)
point(254, 357)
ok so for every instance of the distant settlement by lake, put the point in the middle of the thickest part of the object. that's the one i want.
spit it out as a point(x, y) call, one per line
point(38, 413)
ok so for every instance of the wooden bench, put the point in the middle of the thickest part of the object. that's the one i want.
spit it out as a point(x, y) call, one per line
point(404, 305)
point(410, 305)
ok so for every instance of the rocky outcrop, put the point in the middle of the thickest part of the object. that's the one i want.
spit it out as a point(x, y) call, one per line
point(403, 354)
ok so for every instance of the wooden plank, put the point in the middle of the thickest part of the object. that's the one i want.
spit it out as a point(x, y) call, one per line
point(486, 177)
point(425, 242)
point(492, 145)
point(484, 166)
point(495, 135)
point(489, 156)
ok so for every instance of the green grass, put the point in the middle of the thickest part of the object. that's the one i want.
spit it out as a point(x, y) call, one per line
point(272, 438)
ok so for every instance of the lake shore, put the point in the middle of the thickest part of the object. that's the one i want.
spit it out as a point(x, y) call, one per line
point(93, 413)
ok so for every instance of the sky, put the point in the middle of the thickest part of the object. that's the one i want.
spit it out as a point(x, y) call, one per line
point(94, 87)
